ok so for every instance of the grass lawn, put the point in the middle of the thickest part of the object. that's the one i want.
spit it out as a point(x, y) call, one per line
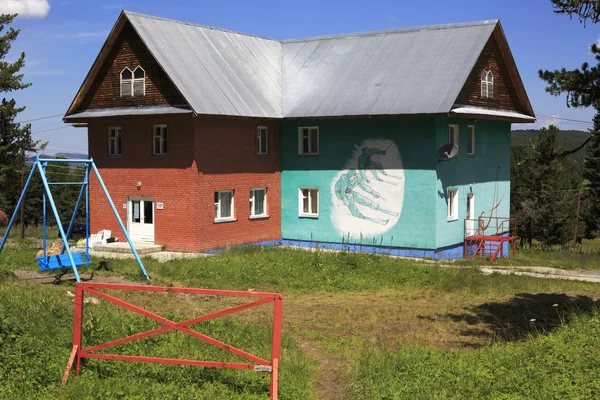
point(356, 326)
point(586, 256)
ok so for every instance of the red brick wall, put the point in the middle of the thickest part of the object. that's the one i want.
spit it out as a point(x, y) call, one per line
point(130, 51)
point(505, 95)
point(172, 180)
point(227, 159)
point(205, 154)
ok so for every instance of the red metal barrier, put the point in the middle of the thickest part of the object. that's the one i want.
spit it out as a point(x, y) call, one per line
point(259, 364)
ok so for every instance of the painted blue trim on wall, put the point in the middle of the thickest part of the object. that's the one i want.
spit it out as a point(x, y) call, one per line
point(453, 252)
point(391, 251)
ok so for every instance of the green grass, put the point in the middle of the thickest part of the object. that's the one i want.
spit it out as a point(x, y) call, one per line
point(563, 258)
point(35, 342)
point(562, 365)
point(297, 271)
point(365, 313)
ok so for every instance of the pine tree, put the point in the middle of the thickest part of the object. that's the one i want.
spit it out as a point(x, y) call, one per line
point(15, 140)
point(544, 190)
point(582, 87)
point(584, 9)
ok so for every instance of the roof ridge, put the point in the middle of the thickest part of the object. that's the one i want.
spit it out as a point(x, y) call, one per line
point(137, 14)
point(335, 36)
point(396, 30)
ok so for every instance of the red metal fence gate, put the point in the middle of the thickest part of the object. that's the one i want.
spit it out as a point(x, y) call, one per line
point(259, 364)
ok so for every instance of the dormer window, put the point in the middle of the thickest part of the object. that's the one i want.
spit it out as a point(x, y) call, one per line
point(487, 84)
point(133, 83)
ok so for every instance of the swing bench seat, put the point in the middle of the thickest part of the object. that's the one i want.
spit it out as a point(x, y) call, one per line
point(60, 261)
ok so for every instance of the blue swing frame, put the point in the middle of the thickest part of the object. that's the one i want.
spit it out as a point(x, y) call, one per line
point(69, 259)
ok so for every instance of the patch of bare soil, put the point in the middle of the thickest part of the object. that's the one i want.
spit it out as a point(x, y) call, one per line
point(45, 278)
point(331, 382)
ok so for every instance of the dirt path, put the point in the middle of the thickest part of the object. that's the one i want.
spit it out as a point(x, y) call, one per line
point(331, 380)
point(545, 273)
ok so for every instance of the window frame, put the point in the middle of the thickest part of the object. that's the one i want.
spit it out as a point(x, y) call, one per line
point(300, 147)
point(259, 140)
point(129, 80)
point(118, 139)
point(456, 136)
point(219, 218)
point(253, 214)
point(163, 129)
point(134, 80)
point(471, 140)
point(310, 213)
point(452, 204)
point(487, 82)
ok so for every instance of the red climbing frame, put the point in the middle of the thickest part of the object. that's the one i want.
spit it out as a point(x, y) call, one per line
point(259, 364)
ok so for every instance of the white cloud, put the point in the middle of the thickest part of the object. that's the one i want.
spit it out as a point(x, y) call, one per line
point(25, 8)
point(544, 122)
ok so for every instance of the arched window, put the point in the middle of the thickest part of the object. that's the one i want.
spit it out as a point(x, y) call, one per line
point(487, 84)
point(139, 82)
point(126, 82)
point(133, 83)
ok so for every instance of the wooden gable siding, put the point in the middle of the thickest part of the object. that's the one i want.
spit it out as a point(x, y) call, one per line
point(505, 95)
point(130, 51)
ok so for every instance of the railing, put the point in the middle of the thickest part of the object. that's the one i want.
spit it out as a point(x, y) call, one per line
point(258, 364)
point(487, 235)
point(490, 226)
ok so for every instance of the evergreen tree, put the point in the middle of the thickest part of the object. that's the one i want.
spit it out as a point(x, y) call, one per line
point(582, 87)
point(584, 9)
point(544, 190)
point(15, 140)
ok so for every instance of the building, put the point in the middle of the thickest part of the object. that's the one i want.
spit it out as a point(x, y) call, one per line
point(211, 138)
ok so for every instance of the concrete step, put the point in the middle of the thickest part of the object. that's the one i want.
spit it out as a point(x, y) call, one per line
point(142, 248)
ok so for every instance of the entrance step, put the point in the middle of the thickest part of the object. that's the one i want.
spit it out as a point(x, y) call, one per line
point(142, 248)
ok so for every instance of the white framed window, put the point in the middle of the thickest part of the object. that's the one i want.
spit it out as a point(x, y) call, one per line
point(258, 203)
point(224, 206)
point(471, 141)
point(452, 204)
point(262, 140)
point(133, 83)
point(159, 140)
point(114, 141)
point(126, 83)
point(308, 140)
point(139, 82)
point(453, 134)
point(487, 84)
point(308, 202)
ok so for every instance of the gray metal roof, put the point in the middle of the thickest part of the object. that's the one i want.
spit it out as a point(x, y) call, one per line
point(114, 112)
point(407, 71)
point(393, 72)
point(217, 71)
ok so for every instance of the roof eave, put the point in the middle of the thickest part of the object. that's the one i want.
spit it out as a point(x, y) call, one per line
point(98, 62)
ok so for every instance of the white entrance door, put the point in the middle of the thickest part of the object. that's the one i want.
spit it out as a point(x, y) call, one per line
point(140, 219)
point(471, 223)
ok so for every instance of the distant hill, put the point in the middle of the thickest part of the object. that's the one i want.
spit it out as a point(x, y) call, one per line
point(569, 137)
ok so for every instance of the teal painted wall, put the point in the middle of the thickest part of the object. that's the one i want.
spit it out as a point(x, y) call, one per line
point(341, 140)
point(488, 170)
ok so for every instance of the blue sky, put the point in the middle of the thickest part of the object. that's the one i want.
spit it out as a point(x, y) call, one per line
point(61, 46)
